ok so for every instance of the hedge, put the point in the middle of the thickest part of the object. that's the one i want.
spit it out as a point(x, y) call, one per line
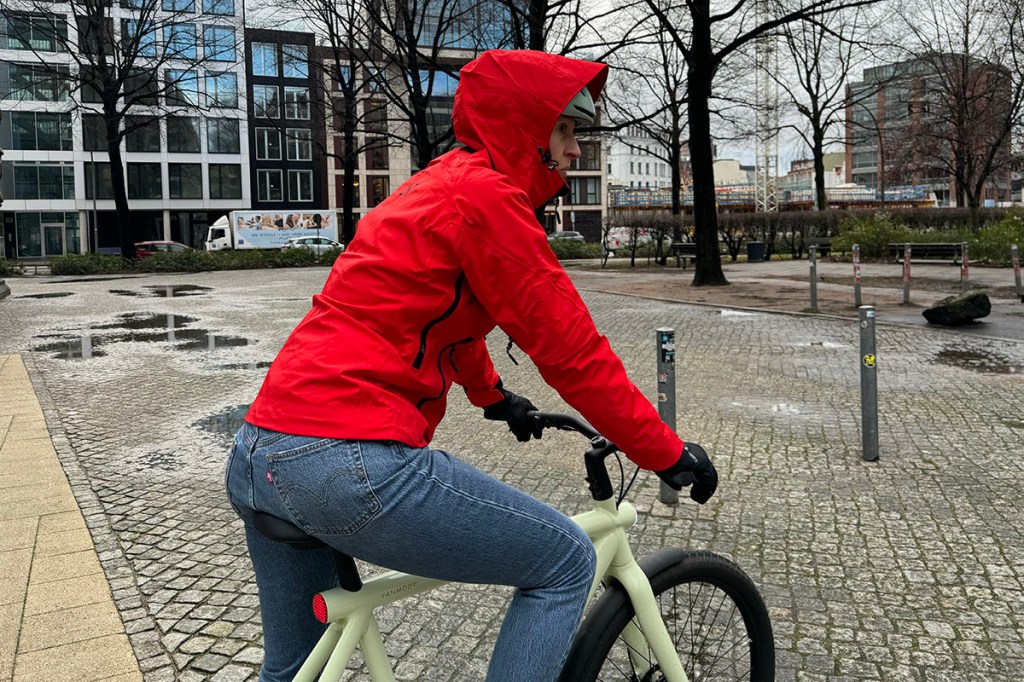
point(189, 261)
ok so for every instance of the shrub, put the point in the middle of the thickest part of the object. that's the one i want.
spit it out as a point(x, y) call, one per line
point(86, 264)
point(181, 261)
point(566, 249)
point(993, 241)
point(873, 234)
point(6, 269)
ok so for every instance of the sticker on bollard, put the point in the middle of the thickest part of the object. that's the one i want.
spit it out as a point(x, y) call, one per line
point(869, 360)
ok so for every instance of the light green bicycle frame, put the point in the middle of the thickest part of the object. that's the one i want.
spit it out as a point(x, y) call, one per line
point(351, 620)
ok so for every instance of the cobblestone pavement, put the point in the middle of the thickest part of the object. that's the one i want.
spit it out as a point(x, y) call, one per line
point(905, 569)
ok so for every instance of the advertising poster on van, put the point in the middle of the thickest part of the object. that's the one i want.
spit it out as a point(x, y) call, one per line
point(268, 230)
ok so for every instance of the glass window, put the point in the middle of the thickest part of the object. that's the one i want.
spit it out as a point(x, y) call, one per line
point(374, 78)
point(144, 181)
point(181, 40)
point(142, 87)
point(224, 7)
point(264, 59)
point(179, 5)
point(142, 37)
point(36, 32)
point(182, 87)
point(378, 189)
point(295, 61)
point(268, 185)
point(584, 190)
point(376, 154)
point(143, 134)
point(30, 82)
point(300, 185)
point(590, 156)
point(185, 180)
point(344, 76)
point(296, 103)
point(339, 189)
point(222, 136)
point(225, 181)
point(222, 89)
point(265, 101)
point(182, 134)
point(104, 187)
point(40, 131)
point(219, 43)
point(268, 144)
point(300, 144)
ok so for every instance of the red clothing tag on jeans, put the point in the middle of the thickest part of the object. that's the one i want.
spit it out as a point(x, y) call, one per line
point(270, 479)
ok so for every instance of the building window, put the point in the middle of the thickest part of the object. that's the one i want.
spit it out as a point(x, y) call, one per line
point(99, 184)
point(295, 61)
point(300, 144)
point(183, 134)
point(44, 181)
point(344, 76)
point(40, 131)
point(590, 157)
point(264, 59)
point(378, 189)
point(219, 43)
point(265, 101)
point(268, 144)
point(268, 185)
point(222, 89)
point(300, 185)
point(185, 180)
point(181, 40)
point(94, 133)
point(143, 134)
point(144, 181)
point(584, 190)
point(339, 188)
point(296, 103)
point(141, 87)
point(32, 83)
point(225, 181)
point(375, 78)
point(182, 87)
point(376, 154)
point(222, 7)
point(222, 136)
point(144, 36)
point(179, 5)
point(36, 32)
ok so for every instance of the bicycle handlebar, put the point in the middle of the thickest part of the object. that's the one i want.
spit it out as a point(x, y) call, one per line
point(597, 474)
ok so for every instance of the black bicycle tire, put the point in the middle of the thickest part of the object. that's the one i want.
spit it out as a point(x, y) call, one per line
point(665, 570)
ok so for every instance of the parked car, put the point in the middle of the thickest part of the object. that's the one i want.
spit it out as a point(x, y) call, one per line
point(566, 234)
point(147, 249)
point(318, 245)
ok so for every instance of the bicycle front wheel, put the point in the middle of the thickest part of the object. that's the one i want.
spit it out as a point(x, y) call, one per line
point(713, 613)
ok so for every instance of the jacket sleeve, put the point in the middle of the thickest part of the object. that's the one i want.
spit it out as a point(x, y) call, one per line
point(515, 275)
point(475, 373)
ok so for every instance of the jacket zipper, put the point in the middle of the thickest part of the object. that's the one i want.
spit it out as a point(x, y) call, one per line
point(444, 316)
point(440, 369)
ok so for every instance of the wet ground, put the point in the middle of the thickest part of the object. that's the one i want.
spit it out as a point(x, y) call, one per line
point(911, 568)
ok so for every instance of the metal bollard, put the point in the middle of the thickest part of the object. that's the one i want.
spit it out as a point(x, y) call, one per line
point(812, 259)
point(868, 384)
point(965, 268)
point(906, 274)
point(1015, 257)
point(856, 276)
point(665, 345)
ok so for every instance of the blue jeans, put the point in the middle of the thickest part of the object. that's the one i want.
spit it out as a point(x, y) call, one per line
point(415, 510)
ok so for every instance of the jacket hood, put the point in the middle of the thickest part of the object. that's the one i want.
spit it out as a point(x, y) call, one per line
point(507, 104)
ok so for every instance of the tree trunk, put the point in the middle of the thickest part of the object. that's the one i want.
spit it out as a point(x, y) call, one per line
point(125, 229)
point(708, 264)
point(349, 164)
point(538, 10)
point(818, 154)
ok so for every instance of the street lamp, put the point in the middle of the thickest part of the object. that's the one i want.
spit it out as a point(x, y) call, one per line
point(95, 227)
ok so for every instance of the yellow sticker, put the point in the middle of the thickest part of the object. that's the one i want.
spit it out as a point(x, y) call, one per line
point(869, 360)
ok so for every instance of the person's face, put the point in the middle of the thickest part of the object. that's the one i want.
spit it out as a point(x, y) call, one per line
point(563, 146)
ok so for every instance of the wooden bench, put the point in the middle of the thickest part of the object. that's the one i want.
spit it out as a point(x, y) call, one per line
point(938, 252)
point(823, 245)
point(683, 251)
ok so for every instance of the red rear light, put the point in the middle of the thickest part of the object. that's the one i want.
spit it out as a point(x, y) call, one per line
point(320, 608)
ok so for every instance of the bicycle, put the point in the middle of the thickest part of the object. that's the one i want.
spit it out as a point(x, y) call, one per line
point(724, 633)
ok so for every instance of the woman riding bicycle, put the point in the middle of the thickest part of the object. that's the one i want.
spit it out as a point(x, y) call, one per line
point(337, 441)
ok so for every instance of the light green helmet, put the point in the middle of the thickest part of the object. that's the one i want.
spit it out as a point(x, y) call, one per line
point(581, 108)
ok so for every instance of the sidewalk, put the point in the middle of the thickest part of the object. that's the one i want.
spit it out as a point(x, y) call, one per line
point(57, 616)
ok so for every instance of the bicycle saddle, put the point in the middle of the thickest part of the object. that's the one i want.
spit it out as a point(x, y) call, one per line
point(277, 529)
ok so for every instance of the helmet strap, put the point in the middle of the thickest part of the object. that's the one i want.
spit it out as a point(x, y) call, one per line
point(545, 158)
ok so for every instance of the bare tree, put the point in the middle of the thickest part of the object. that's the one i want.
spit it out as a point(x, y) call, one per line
point(965, 91)
point(708, 38)
point(130, 66)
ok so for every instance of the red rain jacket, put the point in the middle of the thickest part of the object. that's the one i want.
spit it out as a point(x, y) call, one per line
point(452, 253)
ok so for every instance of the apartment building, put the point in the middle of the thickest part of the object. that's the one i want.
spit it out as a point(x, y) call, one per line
point(185, 164)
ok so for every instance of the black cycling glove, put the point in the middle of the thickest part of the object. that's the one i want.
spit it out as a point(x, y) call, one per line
point(512, 410)
point(694, 467)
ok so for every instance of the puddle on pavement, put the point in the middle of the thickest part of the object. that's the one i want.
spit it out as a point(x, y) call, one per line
point(979, 361)
point(56, 294)
point(246, 365)
point(164, 291)
point(162, 459)
point(136, 328)
point(224, 423)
